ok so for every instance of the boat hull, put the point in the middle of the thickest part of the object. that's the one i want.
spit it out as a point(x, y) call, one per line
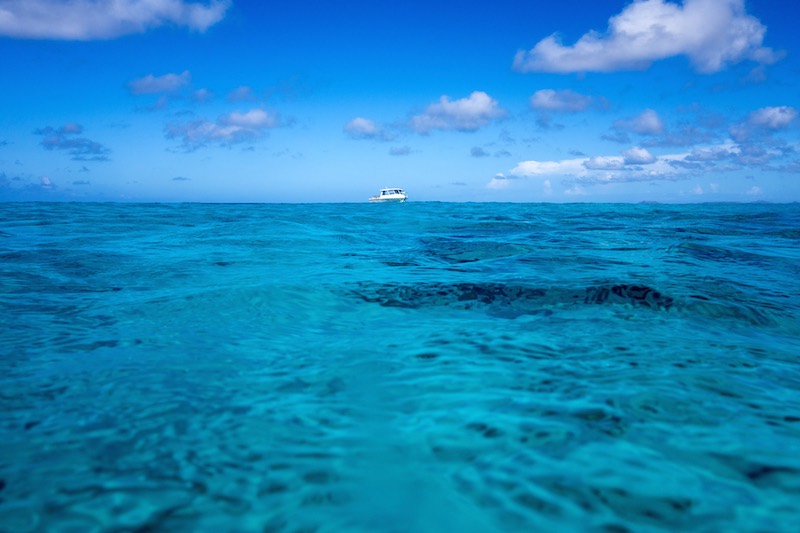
point(378, 200)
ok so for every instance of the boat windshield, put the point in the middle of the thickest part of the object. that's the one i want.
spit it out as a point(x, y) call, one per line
point(391, 192)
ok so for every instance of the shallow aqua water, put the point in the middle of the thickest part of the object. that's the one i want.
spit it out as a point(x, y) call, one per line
point(394, 368)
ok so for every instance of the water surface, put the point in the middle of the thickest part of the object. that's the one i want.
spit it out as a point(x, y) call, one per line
point(395, 368)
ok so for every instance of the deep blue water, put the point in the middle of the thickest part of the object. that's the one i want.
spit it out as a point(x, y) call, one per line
point(399, 368)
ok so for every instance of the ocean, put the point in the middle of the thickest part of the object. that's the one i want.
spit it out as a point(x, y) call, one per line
point(416, 367)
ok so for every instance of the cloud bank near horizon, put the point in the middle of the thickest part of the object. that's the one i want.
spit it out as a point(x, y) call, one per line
point(751, 145)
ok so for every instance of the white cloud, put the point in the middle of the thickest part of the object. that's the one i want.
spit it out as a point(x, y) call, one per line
point(498, 182)
point(253, 119)
point(588, 171)
point(464, 114)
point(740, 132)
point(242, 94)
point(646, 123)
point(638, 156)
point(226, 130)
point(715, 153)
point(84, 20)
point(711, 33)
point(773, 118)
point(549, 168)
point(604, 163)
point(575, 190)
point(762, 122)
point(168, 83)
point(565, 100)
point(361, 127)
point(639, 165)
point(203, 95)
point(364, 128)
point(755, 191)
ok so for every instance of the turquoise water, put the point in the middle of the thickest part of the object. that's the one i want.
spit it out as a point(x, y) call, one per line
point(399, 368)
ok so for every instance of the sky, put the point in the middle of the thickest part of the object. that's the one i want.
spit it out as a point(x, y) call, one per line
point(321, 101)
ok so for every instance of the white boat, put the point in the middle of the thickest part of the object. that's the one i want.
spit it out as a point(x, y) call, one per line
point(390, 194)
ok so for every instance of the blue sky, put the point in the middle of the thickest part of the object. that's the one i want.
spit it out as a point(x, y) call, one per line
point(251, 101)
